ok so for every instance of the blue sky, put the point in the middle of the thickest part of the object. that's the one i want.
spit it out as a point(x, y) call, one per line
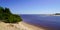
point(32, 6)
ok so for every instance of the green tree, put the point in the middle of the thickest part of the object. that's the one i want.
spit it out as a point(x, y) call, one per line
point(7, 10)
point(1, 12)
point(8, 17)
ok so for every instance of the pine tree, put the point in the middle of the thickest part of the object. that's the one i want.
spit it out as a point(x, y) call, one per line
point(7, 10)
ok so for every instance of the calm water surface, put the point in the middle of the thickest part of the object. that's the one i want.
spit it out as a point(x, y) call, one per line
point(43, 20)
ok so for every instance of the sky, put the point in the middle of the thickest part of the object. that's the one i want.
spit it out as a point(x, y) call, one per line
point(32, 6)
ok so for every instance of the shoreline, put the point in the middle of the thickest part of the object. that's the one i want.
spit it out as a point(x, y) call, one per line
point(29, 26)
point(39, 27)
point(19, 26)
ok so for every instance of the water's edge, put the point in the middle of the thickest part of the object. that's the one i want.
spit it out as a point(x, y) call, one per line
point(43, 20)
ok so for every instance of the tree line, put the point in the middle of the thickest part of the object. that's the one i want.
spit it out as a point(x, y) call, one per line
point(7, 17)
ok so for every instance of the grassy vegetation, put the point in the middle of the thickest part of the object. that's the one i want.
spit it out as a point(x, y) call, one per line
point(8, 17)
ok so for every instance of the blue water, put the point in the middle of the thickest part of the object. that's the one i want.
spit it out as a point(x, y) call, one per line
point(42, 20)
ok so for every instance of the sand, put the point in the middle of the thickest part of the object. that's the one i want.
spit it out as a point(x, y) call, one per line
point(19, 26)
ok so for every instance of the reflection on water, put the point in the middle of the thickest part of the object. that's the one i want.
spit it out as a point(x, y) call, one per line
point(43, 20)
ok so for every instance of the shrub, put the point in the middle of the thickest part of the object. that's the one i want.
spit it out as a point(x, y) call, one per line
point(13, 19)
point(8, 17)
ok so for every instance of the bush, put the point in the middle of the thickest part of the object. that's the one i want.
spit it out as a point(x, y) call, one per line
point(13, 19)
point(8, 17)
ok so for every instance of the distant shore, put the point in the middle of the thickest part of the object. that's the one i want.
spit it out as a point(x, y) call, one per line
point(51, 15)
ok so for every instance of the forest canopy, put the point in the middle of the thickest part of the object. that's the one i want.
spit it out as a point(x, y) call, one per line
point(7, 17)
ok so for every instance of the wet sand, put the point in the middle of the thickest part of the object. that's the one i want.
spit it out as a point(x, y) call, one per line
point(29, 26)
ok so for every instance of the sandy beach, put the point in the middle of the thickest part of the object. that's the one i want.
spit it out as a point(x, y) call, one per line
point(19, 26)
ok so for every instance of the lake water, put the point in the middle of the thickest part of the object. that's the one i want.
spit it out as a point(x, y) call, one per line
point(42, 20)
